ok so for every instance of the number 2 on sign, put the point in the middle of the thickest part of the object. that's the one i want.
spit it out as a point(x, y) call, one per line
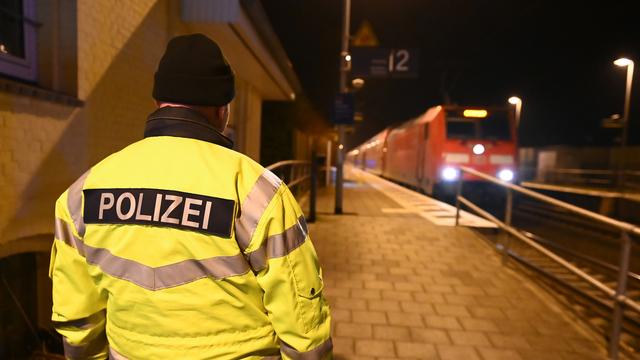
point(398, 60)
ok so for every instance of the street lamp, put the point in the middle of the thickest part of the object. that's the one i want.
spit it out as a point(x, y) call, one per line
point(622, 62)
point(357, 83)
point(344, 70)
point(514, 100)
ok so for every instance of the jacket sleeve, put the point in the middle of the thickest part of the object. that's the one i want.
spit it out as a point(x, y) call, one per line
point(287, 269)
point(78, 306)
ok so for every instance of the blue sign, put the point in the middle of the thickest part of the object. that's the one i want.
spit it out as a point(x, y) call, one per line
point(373, 62)
point(343, 109)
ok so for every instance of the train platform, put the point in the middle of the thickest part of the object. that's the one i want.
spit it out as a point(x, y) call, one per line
point(404, 283)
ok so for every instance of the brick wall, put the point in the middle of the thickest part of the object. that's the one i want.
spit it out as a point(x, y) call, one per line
point(44, 146)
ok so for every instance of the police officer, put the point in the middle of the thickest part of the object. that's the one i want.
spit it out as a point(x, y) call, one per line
point(178, 247)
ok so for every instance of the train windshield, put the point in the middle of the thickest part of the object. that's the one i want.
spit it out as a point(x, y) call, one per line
point(494, 126)
point(461, 128)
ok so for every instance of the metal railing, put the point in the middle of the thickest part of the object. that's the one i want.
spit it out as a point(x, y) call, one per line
point(596, 178)
point(292, 172)
point(300, 176)
point(627, 230)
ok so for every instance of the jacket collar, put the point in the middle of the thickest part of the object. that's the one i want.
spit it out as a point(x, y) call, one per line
point(183, 122)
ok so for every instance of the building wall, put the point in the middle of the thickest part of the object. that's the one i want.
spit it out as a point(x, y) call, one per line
point(44, 146)
point(246, 115)
point(105, 53)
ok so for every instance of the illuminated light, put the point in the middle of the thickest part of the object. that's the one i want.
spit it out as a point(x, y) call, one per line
point(347, 57)
point(506, 175)
point(357, 83)
point(478, 149)
point(3, 49)
point(623, 62)
point(341, 147)
point(449, 174)
point(471, 113)
point(384, 150)
point(514, 100)
point(292, 96)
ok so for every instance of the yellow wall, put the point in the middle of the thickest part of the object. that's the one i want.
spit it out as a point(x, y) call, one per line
point(246, 113)
point(44, 146)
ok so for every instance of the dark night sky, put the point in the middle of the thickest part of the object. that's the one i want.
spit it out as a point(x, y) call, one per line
point(557, 58)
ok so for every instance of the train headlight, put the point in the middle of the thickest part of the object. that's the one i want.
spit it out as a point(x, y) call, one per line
point(478, 149)
point(506, 175)
point(450, 174)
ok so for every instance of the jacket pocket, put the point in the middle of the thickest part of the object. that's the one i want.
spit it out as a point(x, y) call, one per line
point(309, 286)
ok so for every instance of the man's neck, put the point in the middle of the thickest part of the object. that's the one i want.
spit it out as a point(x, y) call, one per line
point(209, 112)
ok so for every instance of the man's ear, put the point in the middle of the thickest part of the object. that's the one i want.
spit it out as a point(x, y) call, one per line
point(223, 112)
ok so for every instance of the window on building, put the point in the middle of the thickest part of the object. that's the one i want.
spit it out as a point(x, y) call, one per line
point(18, 39)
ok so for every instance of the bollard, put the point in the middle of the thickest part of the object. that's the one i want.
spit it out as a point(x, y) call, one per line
point(314, 187)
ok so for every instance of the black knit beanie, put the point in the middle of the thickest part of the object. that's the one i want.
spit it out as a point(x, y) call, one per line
point(193, 71)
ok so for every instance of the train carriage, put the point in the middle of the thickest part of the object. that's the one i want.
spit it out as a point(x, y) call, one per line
point(372, 153)
point(426, 152)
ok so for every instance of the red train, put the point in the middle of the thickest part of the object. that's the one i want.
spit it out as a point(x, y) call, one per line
point(426, 152)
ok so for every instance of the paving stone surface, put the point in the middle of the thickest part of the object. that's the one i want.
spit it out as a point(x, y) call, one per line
point(401, 287)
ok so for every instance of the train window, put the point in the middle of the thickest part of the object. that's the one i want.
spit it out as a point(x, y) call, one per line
point(460, 128)
point(495, 127)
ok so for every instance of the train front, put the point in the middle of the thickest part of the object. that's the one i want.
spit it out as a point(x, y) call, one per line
point(480, 138)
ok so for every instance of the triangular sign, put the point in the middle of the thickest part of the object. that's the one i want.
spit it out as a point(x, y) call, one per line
point(365, 36)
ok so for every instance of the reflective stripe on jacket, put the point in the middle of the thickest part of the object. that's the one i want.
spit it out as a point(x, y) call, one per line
point(177, 247)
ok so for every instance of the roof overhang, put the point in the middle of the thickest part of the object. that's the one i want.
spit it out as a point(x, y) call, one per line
point(244, 33)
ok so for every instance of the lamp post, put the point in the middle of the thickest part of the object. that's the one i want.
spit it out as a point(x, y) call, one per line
point(622, 62)
point(517, 102)
point(514, 100)
point(345, 64)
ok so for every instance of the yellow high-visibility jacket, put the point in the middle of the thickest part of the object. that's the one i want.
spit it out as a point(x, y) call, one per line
point(177, 247)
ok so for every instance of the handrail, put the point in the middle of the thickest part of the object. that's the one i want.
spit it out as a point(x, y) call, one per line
point(287, 162)
point(595, 192)
point(300, 172)
point(579, 171)
point(600, 178)
point(592, 260)
point(299, 180)
point(513, 231)
point(624, 226)
point(618, 295)
point(295, 175)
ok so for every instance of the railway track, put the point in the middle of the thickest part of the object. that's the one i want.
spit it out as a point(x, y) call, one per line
point(592, 248)
point(557, 217)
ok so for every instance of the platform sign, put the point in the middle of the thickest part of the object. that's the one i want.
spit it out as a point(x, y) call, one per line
point(375, 62)
point(343, 109)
